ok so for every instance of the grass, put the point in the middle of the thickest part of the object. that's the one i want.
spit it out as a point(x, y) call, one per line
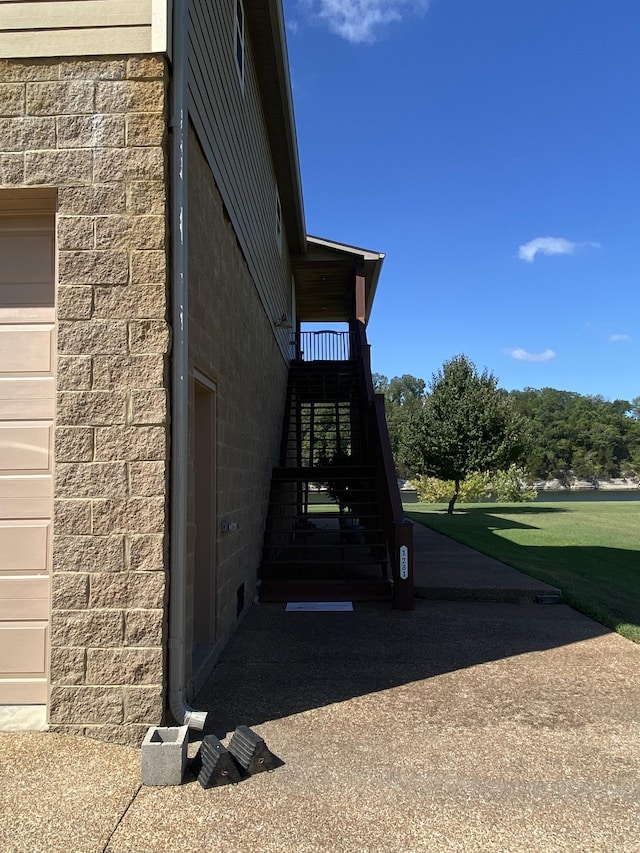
point(589, 549)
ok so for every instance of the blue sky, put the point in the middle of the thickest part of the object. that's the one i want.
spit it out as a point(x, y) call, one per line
point(491, 149)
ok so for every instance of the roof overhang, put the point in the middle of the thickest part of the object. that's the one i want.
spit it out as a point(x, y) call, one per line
point(265, 24)
point(325, 280)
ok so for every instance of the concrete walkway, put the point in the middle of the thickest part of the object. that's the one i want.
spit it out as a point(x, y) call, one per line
point(463, 726)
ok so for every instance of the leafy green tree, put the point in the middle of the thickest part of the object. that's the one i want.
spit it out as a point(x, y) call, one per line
point(403, 395)
point(466, 425)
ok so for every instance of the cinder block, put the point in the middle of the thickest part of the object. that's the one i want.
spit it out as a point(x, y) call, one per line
point(164, 755)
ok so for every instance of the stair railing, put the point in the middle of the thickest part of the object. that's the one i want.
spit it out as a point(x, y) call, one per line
point(323, 345)
point(398, 528)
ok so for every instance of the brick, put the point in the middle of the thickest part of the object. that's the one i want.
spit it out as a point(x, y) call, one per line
point(130, 232)
point(67, 666)
point(124, 666)
point(98, 408)
point(143, 704)
point(74, 303)
point(148, 336)
point(11, 169)
point(58, 167)
point(90, 131)
point(25, 133)
point(125, 302)
point(74, 373)
point(91, 480)
point(130, 164)
point(93, 267)
point(86, 628)
point(147, 553)
point(144, 129)
point(72, 518)
point(88, 553)
point(74, 444)
point(149, 407)
point(92, 199)
point(95, 69)
point(60, 97)
point(147, 479)
point(69, 591)
point(97, 336)
point(148, 267)
point(149, 67)
point(138, 371)
point(130, 96)
point(23, 70)
point(143, 627)
point(12, 99)
point(131, 443)
point(135, 515)
point(75, 232)
point(75, 705)
point(128, 590)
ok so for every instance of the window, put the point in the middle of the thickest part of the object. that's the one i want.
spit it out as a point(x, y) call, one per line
point(239, 39)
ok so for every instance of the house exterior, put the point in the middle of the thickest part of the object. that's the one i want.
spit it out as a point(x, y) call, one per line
point(151, 229)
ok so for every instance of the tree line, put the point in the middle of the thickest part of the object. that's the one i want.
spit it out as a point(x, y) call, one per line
point(463, 420)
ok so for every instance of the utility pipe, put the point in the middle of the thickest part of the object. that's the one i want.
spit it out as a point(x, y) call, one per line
point(184, 714)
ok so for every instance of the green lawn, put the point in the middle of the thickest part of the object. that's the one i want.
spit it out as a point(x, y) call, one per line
point(589, 549)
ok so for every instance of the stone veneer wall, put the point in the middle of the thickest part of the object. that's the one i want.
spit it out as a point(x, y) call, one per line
point(232, 342)
point(95, 129)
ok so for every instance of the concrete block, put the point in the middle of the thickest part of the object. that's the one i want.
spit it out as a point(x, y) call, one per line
point(164, 755)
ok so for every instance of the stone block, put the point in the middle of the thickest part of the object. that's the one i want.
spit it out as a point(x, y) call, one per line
point(74, 444)
point(130, 96)
point(91, 131)
point(92, 200)
point(75, 233)
point(146, 553)
point(91, 480)
point(93, 267)
point(71, 518)
point(24, 70)
point(86, 628)
point(144, 129)
point(128, 164)
point(26, 132)
point(97, 336)
point(12, 99)
point(144, 627)
point(60, 97)
point(69, 591)
point(124, 666)
point(88, 553)
point(130, 232)
point(148, 267)
point(147, 302)
point(74, 373)
point(81, 704)
point(93, 69)
point(134, 372)
point(135, 515)
point(11, 169)
point(164, 755)
point(59, 168)
point(75, 303)
point(145, 67)
point(143, 704)
point(148, 336)
point(147, 479)
point(97, 408)
point(67, 666)
point(149, 407)
point(128, 590)
point(131, 443)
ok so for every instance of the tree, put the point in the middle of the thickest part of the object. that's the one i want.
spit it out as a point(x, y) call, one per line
point(466, 425)
point(402, 395)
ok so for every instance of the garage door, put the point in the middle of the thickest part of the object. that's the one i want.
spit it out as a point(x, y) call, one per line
point(27, 384)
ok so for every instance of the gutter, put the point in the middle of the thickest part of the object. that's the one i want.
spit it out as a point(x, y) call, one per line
point(183, 713)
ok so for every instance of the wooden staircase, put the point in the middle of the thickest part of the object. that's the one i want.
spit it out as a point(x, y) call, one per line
point(324, 535)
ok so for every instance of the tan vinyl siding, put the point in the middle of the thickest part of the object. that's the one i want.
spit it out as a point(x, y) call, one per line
point(38, 28)
point(230, 125)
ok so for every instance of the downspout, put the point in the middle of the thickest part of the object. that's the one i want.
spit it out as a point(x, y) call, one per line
point(184, 715)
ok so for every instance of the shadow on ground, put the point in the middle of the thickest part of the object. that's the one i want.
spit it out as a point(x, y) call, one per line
point(278, 663)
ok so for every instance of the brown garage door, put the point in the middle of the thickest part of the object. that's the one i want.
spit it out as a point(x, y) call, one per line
point(27, 384)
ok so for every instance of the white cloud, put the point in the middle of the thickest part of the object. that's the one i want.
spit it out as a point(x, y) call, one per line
point(360, 21)
point(522, 355)
point(613, 339)
point(550, 246)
